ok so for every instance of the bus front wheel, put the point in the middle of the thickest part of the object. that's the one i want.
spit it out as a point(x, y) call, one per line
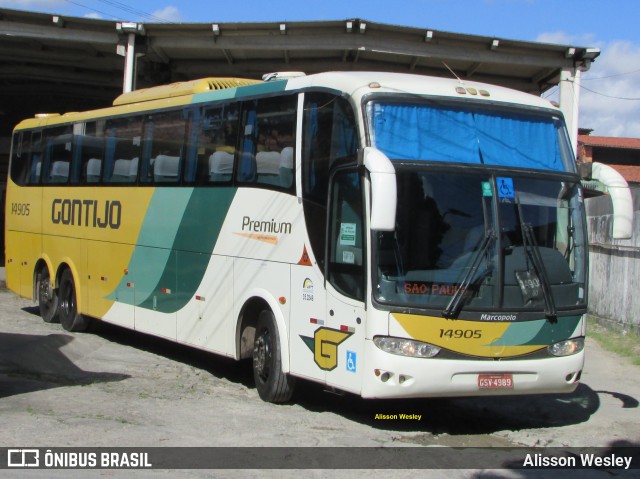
point(47, 297)
point(68, 306)
point(272, 383)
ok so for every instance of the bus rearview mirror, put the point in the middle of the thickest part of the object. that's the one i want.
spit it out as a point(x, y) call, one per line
point(383, 189)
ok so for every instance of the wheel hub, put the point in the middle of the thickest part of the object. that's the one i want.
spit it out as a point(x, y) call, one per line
point(262, 353)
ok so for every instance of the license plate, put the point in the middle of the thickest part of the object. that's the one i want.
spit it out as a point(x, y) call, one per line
point(495, 381)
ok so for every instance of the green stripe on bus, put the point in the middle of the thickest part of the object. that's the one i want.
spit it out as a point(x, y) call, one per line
point(540, 332)
point(191, 250)
point(241, 92)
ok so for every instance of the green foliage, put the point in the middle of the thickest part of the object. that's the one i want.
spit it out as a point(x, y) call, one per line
point(616, 338)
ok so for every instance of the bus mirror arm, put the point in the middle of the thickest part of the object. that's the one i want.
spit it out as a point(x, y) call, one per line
point(383, 188)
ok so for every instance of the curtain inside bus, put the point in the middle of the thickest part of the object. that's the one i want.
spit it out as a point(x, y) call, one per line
point(499, 138)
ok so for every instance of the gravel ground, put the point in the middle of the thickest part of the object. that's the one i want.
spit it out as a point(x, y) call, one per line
point(116, 388)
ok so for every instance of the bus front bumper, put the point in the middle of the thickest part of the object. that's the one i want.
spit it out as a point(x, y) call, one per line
point(391, 376)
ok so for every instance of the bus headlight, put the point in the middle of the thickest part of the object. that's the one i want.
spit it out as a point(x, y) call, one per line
point(567, 348)
point(406, 347)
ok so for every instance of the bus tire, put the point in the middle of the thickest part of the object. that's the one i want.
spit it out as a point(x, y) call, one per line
point(272, 383)
point(47, 297)
point(68, 305)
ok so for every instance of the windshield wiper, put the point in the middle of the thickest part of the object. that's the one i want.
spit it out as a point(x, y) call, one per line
point(453, 307)
point(532, 251)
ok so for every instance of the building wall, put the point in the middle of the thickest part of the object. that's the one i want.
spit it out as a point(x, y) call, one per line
point(614, 266)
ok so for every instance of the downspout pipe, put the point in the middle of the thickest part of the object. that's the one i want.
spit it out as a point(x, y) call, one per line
point(620, 198)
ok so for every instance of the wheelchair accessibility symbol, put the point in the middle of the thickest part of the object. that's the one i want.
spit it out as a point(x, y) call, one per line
point(505, 188)
point(351, 361)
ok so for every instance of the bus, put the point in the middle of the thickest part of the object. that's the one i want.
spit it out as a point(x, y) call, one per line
point(387, 235)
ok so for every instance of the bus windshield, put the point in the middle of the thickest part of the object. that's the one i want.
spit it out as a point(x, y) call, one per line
point(482, 238)
point(514, 242)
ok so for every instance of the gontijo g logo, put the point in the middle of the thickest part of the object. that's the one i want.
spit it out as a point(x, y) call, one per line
point(324, 346)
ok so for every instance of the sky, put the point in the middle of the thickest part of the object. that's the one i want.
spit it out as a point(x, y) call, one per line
point(610, 93)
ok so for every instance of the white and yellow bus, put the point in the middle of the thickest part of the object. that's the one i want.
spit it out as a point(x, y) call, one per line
point(384, 234)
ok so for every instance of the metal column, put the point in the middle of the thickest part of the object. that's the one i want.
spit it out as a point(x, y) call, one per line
point(130, 64)
point(569, 101)
point(127, 49)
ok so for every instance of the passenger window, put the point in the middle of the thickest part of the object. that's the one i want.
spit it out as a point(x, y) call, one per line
point(90, 145)
point(35, 168)
point(217, 140)
point(268, 145)
point(20, 168)
point(165, 133)
point(58, 144)
point(22, 172)
point(123, 150)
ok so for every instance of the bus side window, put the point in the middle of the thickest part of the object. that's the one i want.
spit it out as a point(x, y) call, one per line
point(267, 153)
point(247, 160)
point(35, 168)
point(276, 121)
point(164, 149)
point(193, 117)
point(217, 141)
point(58, 143)
point(123, 148)
point(90, 154)
point(329, 135)
point(22, 171)
point(346, 240)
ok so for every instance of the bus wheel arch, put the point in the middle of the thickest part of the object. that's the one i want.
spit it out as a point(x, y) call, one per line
point(45, 292)
point(246, 326)
point(272, 383)
point(260, 338)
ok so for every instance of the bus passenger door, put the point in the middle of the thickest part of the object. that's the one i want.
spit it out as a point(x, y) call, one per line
point(345, 282)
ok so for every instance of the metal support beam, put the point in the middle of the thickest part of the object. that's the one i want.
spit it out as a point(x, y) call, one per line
point(131, 30)
point(569, 101)
point(130, 64)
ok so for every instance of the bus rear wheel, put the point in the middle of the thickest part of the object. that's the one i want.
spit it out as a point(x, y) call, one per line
point(272, 383)
point(68, 306)
point(47, 297)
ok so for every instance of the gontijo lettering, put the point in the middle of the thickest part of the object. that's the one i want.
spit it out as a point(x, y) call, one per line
point(89, 213)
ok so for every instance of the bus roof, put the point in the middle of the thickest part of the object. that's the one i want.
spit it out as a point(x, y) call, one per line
point(181, 88)
point(359, 84)
point(355, 84)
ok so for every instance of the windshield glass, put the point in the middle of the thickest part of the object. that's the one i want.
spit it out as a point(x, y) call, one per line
point(427, 131)
point(508, 239)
